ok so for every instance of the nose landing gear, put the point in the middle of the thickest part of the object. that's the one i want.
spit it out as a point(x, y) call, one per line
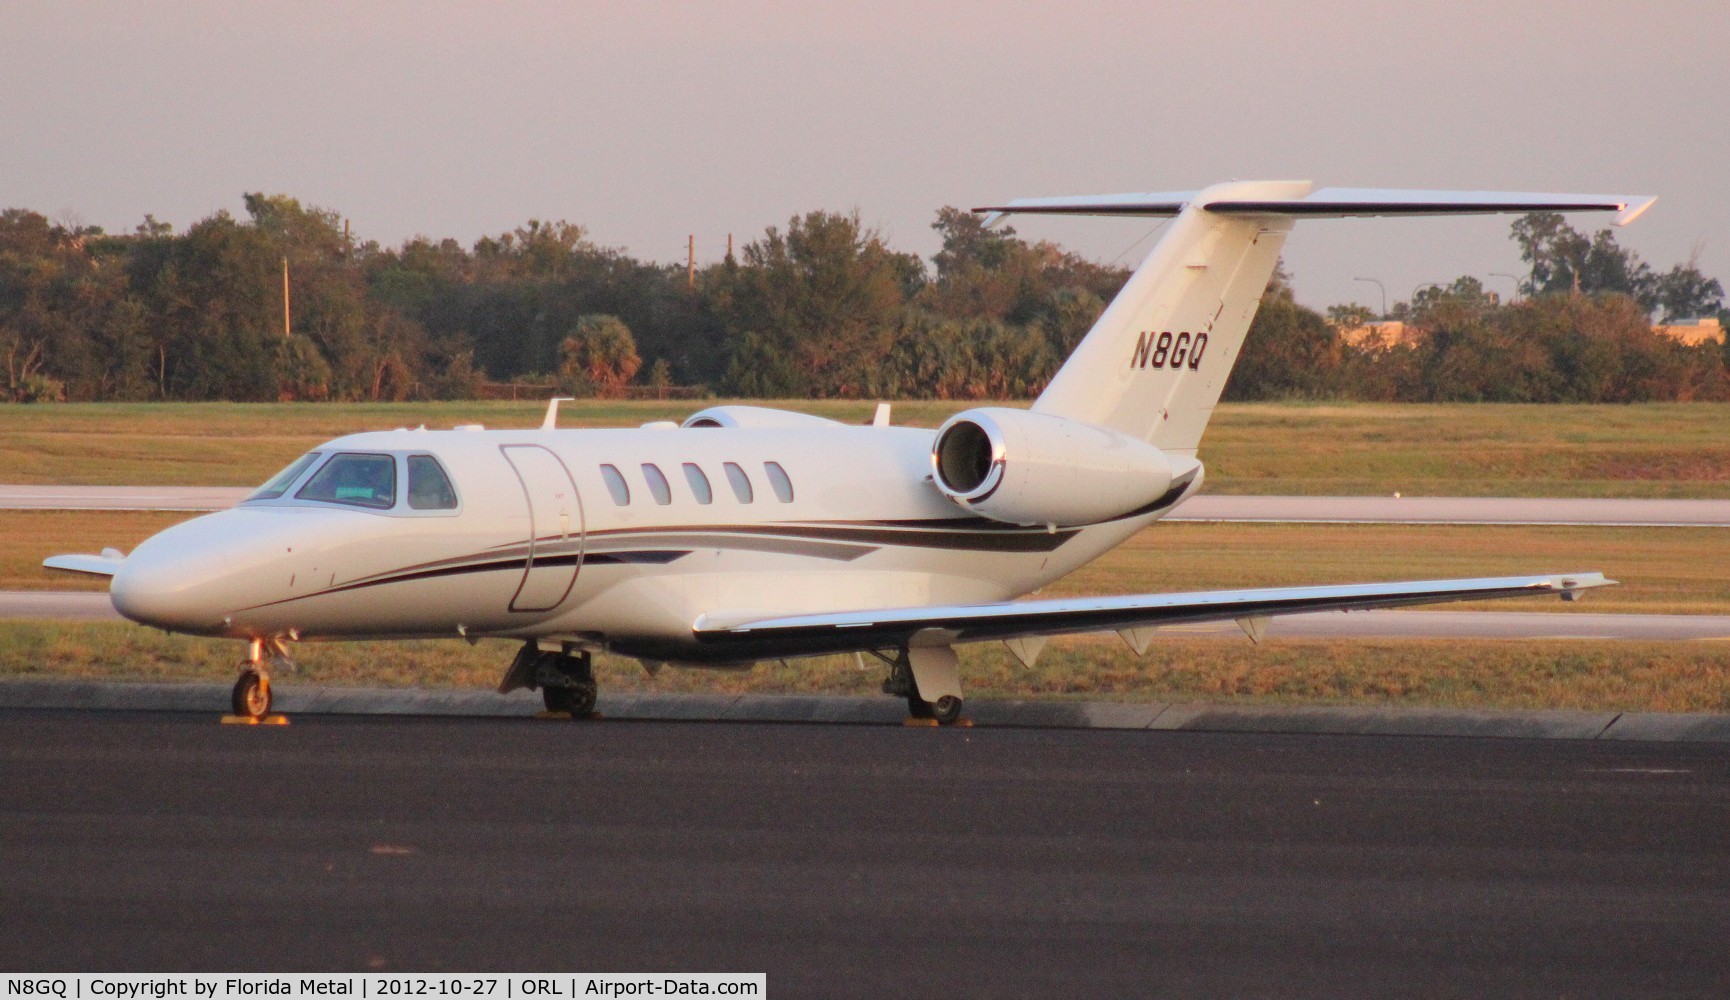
point(251, 696)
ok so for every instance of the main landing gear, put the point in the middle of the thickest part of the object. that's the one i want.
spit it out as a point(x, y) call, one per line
point(251, 696)
point(565, 677)
point(929, 677)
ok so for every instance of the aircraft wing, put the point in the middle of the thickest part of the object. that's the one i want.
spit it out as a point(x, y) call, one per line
point(106, 564)
point(794, 635)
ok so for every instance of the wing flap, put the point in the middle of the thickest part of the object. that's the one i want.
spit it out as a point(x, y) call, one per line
point(852, 630)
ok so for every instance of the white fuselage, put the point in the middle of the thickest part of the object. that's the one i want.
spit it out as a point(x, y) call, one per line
point(538, 546)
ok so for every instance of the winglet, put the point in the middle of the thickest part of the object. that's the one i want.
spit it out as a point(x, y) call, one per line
point(1633, 211)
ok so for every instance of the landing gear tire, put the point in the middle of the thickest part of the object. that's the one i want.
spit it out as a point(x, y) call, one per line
point(577, 699)
point(567, 682)
point(946, 709)
point(252, 695)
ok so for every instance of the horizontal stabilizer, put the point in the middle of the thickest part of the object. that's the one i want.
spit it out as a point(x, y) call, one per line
point(1333, 203)
point(106, 564)
point(840, 632)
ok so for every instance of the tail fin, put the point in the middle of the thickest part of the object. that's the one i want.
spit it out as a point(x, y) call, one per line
point(1155, 363)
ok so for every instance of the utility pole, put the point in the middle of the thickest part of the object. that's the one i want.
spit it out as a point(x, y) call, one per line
point(691, 261)
point(285, 327)
point(729, 246)
point(1378, 284)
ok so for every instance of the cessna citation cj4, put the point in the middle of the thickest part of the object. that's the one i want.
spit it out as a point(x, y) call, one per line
point(747, 534)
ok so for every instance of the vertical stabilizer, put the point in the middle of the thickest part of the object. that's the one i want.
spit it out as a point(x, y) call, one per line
point(1155, 363)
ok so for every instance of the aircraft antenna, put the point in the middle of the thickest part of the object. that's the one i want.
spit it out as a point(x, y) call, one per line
point(551, 422)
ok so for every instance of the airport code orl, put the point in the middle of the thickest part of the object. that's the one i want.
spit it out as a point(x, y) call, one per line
point(545, 986)
point(1168, 350)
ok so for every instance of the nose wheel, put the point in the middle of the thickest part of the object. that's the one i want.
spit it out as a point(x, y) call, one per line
point(252, 694)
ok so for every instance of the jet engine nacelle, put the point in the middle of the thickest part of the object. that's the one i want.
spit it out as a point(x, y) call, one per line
point(1032, 468)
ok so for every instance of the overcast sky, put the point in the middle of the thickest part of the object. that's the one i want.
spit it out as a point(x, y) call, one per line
point(646, 121)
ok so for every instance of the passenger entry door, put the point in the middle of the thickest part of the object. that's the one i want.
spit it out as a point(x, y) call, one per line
point(555, 527)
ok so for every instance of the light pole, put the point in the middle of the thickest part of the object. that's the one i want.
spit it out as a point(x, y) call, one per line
point(1384, 289)
point(1514, 278)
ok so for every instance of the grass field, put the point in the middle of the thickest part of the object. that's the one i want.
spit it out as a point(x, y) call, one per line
point(1662, 570)
point(1668, 677)
point(1653, 450)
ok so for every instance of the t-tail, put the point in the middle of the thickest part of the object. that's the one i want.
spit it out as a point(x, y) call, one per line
point(1114, 436)
point(1155, 363)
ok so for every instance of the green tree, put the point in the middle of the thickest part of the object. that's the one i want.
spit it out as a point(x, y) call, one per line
point(1562, 259)
point(1684, 293)
point(813, 310)
point(1290, 353)
point(599, 357)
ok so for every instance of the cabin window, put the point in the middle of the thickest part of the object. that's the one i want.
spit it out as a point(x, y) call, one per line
point(779, 482)
point(699, 484)
point(658, 487)
point(361, 480)
point(740, 482)
point(280, 482)
point(428, 486)
point(616, 484)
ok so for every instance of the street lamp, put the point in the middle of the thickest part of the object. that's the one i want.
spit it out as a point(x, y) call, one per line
point(1511, 277)
point(1378, 284)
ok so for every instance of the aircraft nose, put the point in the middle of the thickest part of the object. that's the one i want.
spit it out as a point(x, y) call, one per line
point(195, 575)
point(161, 584)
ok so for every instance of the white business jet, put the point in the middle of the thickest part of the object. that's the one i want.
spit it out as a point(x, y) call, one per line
point(747, 534)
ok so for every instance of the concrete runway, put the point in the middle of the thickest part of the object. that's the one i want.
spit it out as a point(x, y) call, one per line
point(1208, 507)
point(869, 860)
point(190, 498)
point(95, 606)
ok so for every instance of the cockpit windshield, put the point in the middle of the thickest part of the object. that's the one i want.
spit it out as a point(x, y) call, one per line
point(280, 482)
point(361, 480)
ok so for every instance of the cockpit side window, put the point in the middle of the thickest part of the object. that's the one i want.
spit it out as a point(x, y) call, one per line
point(361, 480)
point(280, 482)
point(428, 486)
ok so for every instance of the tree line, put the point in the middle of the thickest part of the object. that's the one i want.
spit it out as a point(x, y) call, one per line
point(820, 308)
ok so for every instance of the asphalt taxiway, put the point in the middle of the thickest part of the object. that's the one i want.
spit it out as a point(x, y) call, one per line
point(869, 860)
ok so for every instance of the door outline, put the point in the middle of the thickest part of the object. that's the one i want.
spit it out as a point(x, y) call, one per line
point(535, 528)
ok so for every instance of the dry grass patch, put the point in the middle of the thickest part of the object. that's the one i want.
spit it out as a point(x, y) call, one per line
point(1600, 676)
point(1647, 450)
point(1484, 449)
point(29, 536)
point(1661, 570)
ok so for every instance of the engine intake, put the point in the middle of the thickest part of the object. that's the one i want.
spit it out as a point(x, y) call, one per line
point(1032, 468)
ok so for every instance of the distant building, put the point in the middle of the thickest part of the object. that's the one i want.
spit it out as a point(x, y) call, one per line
point(1384, 334)
point(1693, 331)
point(1381, 335)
